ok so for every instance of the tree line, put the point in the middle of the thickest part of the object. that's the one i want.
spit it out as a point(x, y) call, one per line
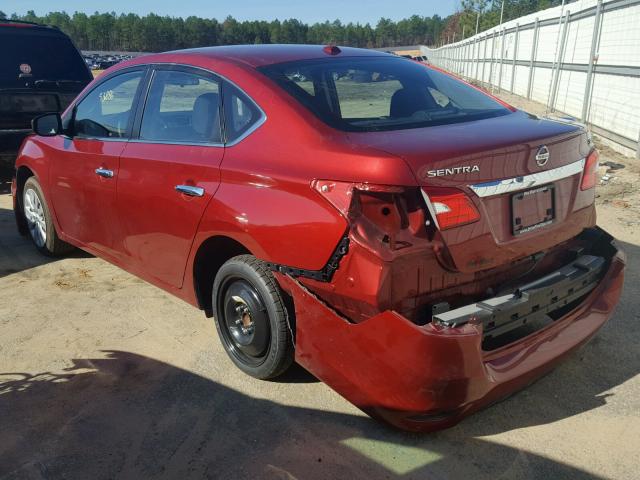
point(152, 33)
point(487, 14)
point(148, 33)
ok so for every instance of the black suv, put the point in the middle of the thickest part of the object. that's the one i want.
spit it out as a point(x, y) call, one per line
point(41, 71)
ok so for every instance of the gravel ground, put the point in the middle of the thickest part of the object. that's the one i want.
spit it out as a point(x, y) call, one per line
point(105, 376)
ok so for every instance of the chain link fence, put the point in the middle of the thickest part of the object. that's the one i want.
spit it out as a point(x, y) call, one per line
point(581, 59)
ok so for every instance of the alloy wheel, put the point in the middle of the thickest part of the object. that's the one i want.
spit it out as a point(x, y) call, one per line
point(34, 213)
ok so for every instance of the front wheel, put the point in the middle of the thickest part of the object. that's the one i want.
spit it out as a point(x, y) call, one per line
point(252, 319)
point(39, 222)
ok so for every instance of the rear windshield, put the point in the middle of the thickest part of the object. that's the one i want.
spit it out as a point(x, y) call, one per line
point(369, 94)
point(38, 55)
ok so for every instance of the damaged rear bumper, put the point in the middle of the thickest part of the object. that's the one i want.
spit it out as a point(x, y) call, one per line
point(425, 378)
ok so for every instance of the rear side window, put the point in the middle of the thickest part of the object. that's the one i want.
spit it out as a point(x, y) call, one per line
point(182, 107)
point(106, 111)
point(384, 93)
point(240, 114)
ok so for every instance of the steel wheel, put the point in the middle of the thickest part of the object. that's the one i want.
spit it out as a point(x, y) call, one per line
point(34, 214)
point(246, 322)
point(252, 319)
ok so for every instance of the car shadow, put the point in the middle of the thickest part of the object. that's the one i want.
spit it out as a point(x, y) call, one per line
point(130, 416)
point(296, 374)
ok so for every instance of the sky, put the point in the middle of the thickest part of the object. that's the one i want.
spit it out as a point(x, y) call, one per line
point(308, 11)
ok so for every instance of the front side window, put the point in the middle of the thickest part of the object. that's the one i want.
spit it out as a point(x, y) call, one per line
point(106, 111)
point(182, 107)
point(369, 94)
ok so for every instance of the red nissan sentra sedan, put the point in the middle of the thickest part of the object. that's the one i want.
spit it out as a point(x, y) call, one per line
point(420, 246)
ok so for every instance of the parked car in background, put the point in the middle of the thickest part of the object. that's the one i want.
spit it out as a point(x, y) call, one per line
point(104, 64)
point(420, 246)
point(102, 61)
point(40, 71)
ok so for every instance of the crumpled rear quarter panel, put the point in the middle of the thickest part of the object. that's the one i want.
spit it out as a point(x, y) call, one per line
point(424, 378)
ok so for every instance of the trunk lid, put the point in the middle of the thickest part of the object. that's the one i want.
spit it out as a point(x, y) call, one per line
point(491, 161)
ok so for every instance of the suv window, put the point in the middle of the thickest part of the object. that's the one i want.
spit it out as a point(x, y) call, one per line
point(106, 111)
point(240, 113)
point(384, 93)
point(31, 54)
point(182, 107)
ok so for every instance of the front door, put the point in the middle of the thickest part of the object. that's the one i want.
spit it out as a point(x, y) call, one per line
point(86, 162)
point(170, 172)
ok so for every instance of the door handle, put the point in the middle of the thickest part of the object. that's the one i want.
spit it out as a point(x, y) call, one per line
point(103, 172)
point(190, 191)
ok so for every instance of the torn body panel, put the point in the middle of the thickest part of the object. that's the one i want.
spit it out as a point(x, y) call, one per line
point(428, 377)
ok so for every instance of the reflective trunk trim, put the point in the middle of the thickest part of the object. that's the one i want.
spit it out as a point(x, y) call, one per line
point(498, 187)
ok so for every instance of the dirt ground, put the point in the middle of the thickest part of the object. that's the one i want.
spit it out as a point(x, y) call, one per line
point(104, 376)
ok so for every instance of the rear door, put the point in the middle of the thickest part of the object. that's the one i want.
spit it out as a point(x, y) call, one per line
point(170, 171)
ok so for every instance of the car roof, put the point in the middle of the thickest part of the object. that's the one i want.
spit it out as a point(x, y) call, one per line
point(260, 55)
point(24, 26)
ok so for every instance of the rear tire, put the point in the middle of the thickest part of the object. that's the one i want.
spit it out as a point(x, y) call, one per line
point(252, 319)
point(39, 222)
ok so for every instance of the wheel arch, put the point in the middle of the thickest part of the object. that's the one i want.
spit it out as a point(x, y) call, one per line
point(212, 253)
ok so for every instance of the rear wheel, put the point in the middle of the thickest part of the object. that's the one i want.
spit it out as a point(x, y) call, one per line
point(39, 222)
point(252, 319)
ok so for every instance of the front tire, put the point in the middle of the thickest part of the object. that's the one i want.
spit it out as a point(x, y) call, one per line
point(39, 222)
point(252, 319)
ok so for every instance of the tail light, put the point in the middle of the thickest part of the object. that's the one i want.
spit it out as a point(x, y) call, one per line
point(589, 176)
point(375, 211)
point(450, 207)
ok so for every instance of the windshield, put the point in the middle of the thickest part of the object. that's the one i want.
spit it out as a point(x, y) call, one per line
point(369, 94)
point(42, 55)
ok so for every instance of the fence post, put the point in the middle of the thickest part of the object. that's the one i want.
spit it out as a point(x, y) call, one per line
point(559, 61)
point(472, 49)
point(453, 59)
point(534, 49)
point(586, 101)
point(501, 60)
point(466, 59)
point(484, 56)
point(515, 56)
point(463, 60)
point(493, 49)
point(477, 57)
point(452, 51)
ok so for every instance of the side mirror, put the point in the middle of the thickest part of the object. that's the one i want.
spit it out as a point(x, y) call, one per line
point(48, 125)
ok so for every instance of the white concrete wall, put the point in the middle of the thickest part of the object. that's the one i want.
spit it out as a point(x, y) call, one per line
point(614, 101)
